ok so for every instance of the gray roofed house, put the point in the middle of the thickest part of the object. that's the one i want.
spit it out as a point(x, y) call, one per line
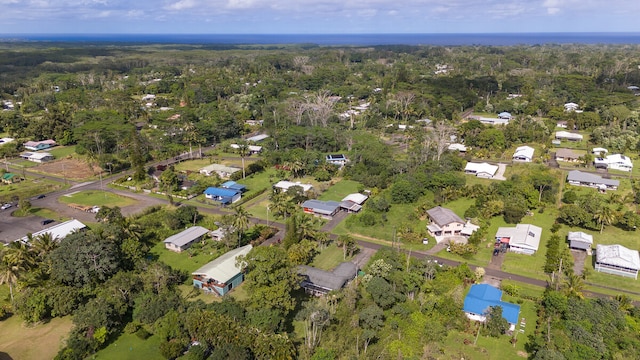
point(445, 223)
point(581, 178)
point(183, 240)
point(579, 240)
point(617, 260)
point(319, 282)
point(325, 209)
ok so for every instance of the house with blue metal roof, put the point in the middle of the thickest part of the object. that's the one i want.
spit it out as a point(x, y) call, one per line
point(223, 196)
point(233, 186)
point(483, 296)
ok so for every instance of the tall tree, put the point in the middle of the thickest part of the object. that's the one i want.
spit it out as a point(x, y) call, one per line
point(604, 216)
point(240, 221)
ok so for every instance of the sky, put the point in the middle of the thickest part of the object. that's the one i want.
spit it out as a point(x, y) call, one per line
point(316, 16)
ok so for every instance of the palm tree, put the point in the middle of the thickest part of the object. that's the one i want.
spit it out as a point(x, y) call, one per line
point(574, 285)
point(43, 244)
point(241, 221)
point(19, 254)
point(243, 151)
point(604, 216)
point(306, 226)
point(9, 274)
point(280, 204)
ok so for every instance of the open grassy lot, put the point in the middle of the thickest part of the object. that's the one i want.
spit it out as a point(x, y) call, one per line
point(96, 197)
point(187, 261)
point(60, 152)
point(339, 190)
point(129, 346)
point(36, 342)
point(47, 214)
point(28, 188)
point(329, 258)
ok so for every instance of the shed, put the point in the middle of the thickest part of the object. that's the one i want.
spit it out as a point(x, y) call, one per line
point(222, 274)
point(184, 239)
point(579, 240)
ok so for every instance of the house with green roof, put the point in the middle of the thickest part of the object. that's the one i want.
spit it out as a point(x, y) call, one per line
point(222, 274)
point(10, 178)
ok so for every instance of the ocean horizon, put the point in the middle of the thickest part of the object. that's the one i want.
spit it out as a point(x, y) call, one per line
point(450, 39)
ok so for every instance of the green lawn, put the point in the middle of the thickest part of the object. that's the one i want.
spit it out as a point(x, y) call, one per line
point(188, 260)
point(340, 189)
point(48, 214)
point(129, 346)
point(97, 198)
point(35, 342)
point(329, 258)
point(60, 152)
point(28, 188)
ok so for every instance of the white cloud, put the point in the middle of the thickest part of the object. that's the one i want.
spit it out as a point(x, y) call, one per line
point(241, 4)
point(181, 5)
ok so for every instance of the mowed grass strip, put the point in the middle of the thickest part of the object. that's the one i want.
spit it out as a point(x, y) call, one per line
point(97, 198)
point(35, 342)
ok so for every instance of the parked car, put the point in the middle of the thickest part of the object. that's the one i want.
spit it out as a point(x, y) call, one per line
point(46, 221)
point(39, 197)
point(5, 206)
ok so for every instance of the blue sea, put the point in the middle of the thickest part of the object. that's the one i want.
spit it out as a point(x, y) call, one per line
point(495, 39)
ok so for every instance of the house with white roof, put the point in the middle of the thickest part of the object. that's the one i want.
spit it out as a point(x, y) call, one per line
point(223, 171)
point(184, 239)
point(615, 162)
point(599, 151)
point(58, 231)
point(617, 260)
point(6, 140)
point(353, 202)
point(571, 106)
point(253, 149)
point(257, 138)
point(523, 154)
point(481, 170)
point(285, 185)
point(457, 147)
point(566, 135)
point(522, 239)
point(222, 274)
point(37, 157)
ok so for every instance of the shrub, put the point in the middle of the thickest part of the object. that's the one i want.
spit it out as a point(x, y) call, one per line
point(142, 333)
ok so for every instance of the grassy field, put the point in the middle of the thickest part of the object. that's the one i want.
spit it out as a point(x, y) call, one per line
point(189, 260)
point(98, 198)
point(339, 190)
point(60, 152)
point(36, 342)
point(28, 188)
point(129, 346)
point(329, 258)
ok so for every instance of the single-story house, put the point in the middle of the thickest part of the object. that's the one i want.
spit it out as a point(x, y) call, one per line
point(457, 147)
point(58, 231)
point(320, 282)
point(567, 155)
point(523, 153)
point(258, 138)
point(505, 115)
point(481, 297)
point(571, 106)
point(39, 145)
point(481, 170)
point(337, 159)
point(285, 185)
point(580, 178)
point(148, 97)
point(10, 178)
point(579, 240)
point(617, 260)
point(324, 209)
point(223, 196)
point(219, 233)
point(223, 171)
point(184, 239)
point(253, 149)
point(233, 186)
point(599, 151)
point(566, 135)
point(37, 157)
point(222, 274)
point(353, 202)
point(491, 121)
point(6, 140)
point(615, 162)
point(445, 223)
point(522, 239)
